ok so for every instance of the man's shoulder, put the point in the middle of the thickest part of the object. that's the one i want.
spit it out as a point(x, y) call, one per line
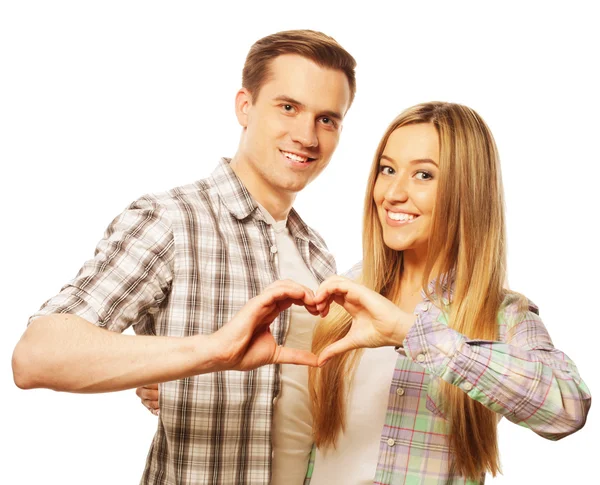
point(194, 195)
point(182, 193)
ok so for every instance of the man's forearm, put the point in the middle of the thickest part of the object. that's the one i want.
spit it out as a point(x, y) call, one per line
point(66, 353)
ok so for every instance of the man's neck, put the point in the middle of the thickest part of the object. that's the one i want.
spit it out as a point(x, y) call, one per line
point(278, 204)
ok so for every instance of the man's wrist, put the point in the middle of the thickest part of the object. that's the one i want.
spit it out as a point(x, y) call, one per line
point(210, 354)
point(221, 353)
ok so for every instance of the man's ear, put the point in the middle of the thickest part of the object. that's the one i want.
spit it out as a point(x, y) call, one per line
point(243, 103)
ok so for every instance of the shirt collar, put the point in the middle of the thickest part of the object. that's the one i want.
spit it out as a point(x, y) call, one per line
point(232, 191)
point(241, 204)
point(447, 285)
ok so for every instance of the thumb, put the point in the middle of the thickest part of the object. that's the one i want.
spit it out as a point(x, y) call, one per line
point(341, 346)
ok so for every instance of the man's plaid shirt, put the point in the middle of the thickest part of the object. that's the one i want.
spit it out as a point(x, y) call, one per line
point(183, 263)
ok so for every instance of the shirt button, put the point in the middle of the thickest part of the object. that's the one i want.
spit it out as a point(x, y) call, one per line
point(273, 249)
point(467, 386)
point(421, 358)
point(400, 391)
point(391, 442)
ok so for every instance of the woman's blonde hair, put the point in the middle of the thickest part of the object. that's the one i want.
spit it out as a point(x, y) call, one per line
point(467, 241)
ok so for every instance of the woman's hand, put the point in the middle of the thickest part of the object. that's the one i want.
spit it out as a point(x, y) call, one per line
point(149, 397)
point(376, 321)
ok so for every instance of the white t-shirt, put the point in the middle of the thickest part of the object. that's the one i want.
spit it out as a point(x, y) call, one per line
point(292, 417)
point(354, 460)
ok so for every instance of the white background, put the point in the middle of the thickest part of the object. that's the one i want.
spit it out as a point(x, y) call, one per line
point(101, 102)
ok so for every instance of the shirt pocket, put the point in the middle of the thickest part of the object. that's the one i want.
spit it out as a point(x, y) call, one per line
point(433, 400)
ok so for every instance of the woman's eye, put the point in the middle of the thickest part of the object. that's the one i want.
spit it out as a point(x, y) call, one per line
point(384, 169)
point(424, 176)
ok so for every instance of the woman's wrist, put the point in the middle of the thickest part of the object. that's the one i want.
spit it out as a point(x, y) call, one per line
point(404, 322)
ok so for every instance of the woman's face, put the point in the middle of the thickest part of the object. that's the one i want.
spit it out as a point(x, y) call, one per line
point(406, 186)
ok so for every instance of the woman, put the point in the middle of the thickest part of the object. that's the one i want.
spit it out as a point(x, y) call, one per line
point(455, 349)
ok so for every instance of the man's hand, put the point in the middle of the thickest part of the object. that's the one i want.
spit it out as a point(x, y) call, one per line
point(376, 321)
point(246, 342)
point(246, 339)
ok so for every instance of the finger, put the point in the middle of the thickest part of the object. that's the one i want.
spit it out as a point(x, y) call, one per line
point(281, 297)
point(312, 309)
point(147, 393)
point(288, 355)
point(336, 348)
point(151, 405)
point(325, 306)
point(267, 312)
point(276, 309)
point(287, 286)
point(287, 283)
point(333, 286)
point(346, 293)
point(283, 305)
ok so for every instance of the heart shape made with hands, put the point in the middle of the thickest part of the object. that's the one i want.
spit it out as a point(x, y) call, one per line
point(376, 321)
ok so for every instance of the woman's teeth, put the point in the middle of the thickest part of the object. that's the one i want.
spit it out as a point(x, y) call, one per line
point(401, 216)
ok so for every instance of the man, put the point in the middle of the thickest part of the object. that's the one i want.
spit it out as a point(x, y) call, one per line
point(193, 271)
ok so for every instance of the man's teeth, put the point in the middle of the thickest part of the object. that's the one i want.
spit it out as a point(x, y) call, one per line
point(294, 157)
point(401, 216)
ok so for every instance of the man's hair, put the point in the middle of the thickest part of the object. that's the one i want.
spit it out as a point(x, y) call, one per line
point(316, 46)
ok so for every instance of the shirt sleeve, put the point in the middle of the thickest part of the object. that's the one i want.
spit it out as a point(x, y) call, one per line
point(130, 274)
point(523, 378)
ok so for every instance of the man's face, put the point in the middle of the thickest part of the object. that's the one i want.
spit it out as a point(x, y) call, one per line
point(293, 126)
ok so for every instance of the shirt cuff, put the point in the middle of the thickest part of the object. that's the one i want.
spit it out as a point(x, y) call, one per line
point(432, 344)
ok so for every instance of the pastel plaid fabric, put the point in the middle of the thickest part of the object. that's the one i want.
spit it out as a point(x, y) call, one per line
point(521, 377)
point(183, 263)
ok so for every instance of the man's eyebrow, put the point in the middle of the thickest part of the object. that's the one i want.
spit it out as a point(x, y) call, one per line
point(412, 162)
point(327, 113)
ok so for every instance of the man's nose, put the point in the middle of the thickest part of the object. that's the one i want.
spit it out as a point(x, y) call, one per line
point(305, 133)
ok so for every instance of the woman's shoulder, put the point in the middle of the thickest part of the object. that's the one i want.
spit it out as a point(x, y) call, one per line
point(515, 308)
point(354, 272)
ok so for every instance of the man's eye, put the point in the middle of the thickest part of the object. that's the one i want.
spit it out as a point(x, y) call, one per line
point(329, 122)
point(288, 107)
